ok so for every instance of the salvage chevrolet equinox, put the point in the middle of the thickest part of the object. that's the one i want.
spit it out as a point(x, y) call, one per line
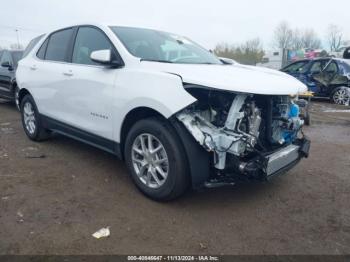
point(175, 113)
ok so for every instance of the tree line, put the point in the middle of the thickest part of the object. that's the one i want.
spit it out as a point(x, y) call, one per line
point(252, 52)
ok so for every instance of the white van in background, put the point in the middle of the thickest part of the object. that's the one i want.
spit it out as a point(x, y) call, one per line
point(272, 60)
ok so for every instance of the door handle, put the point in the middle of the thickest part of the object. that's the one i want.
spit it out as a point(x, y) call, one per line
point(33, 67)
point(68, 73)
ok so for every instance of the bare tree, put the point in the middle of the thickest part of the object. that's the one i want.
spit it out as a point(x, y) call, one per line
point(334, 37)
point(310, 39)
point(305, 39)
point(283, 35)
point(250, 53)
point(297, 40)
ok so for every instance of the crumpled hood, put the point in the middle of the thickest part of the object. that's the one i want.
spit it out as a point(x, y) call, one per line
point(236, 78)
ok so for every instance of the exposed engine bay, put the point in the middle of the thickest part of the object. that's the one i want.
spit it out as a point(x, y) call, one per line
point(244, 131)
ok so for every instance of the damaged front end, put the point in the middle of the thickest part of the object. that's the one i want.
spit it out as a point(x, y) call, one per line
point(246, 136)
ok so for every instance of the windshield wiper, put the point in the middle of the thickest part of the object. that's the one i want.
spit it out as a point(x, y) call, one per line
point(156, 60)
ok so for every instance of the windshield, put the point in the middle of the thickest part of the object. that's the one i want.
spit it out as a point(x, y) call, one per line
point(152, 45)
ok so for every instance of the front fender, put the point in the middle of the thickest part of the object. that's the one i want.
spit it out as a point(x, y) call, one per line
point(162, 92)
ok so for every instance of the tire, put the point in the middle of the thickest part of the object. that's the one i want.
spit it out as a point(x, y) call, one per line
point(341, 96)
point(31, 121)
point(16, 97)
point(307, 119)
point(162, 135)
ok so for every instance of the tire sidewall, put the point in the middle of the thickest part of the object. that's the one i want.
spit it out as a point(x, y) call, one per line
point(176, 173)
point(29, 99)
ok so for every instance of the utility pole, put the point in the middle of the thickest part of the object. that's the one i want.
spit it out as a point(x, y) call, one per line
point(17, 34)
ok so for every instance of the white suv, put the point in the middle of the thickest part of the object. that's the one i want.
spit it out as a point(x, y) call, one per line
point(173, 111)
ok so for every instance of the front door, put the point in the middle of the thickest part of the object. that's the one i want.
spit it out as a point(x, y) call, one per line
point(6, 74)
point(88, 93)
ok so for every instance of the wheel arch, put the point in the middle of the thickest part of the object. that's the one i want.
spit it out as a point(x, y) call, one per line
point(131, 118)
point(22, 93)
point(198, 158)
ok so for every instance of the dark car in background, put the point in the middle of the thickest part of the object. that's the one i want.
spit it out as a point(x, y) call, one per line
point(8, 65)
point(325, 77)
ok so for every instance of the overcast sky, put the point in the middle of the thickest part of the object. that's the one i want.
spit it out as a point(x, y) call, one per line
point(204, 21)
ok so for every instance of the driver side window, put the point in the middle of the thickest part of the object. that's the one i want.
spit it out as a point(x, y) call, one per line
point(88, 40)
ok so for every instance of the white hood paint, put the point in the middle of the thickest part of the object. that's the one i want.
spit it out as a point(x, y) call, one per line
point(236, 78)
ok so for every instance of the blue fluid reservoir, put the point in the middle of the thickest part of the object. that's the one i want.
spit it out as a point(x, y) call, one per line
point(294, 110)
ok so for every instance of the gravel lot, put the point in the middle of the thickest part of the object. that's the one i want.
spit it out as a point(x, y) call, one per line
point(55, 194)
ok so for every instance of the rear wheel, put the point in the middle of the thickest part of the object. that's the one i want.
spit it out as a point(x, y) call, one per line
point(341, 96)
point(156, 159)
point(31, 120)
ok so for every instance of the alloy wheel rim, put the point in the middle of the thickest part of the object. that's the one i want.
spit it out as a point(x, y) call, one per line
point(150, 161)
point(341, 97)
point(29, 118)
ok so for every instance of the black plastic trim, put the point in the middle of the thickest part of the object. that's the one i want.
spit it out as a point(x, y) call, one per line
point(81, 135)
point(198, 158)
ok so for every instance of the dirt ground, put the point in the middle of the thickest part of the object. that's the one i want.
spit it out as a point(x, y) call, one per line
point(55, 194)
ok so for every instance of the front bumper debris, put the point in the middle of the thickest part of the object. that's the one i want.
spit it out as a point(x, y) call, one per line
point(265, 167)
point(278, 162)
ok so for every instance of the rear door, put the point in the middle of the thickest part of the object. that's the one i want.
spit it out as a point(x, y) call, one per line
point(48, 74)
point(6, 74)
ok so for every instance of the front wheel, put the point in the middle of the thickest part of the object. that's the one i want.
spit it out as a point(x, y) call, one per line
point(156, 159)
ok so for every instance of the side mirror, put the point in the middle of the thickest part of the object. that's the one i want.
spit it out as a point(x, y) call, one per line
point(101, 56)
point(7, 64)
point(105, 57)
point(226, 61)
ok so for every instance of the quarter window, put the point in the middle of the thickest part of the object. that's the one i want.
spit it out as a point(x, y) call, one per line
point(58, 46)
point(88, 40)
point(42, 50)
point(31, 45)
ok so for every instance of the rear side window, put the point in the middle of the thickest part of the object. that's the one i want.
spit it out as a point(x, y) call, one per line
point(88, 40)
point(58, 45)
